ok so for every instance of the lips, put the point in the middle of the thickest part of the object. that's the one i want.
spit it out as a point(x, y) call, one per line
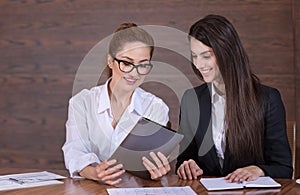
point(130, 81)
point(205, 71)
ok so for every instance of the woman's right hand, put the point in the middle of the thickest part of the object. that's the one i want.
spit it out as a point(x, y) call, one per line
point(189, 170)
point(106, 172)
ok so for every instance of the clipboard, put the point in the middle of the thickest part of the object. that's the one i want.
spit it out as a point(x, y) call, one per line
point(146, 136)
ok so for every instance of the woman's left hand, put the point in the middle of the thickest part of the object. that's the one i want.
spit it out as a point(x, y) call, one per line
point(161, 166)
point(249, 173)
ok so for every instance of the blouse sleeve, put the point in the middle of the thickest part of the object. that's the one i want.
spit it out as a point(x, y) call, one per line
point(77, 154)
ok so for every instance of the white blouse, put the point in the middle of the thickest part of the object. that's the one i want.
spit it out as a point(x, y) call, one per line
point(218, 116)
point(90, 136)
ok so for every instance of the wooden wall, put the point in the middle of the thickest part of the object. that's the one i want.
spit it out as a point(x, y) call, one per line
point(296, 16)
point(43, 43)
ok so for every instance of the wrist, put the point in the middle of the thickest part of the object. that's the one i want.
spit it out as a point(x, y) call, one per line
point(260, 172)
point(89, 172)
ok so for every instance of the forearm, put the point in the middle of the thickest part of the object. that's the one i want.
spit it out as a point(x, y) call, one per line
point(277, 171)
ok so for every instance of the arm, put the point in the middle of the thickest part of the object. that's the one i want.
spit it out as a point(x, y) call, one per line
point(77, 152)
point(277, 152)
point(186, 165)
point(79, 156)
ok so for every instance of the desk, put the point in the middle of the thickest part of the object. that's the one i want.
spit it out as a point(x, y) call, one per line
point(87, 187)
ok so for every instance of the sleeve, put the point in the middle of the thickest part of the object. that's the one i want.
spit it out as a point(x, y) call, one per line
point(77, 150)
point(277, 152)
point(188, 124)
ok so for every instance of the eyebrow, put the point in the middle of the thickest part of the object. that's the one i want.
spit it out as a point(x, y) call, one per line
point(144, 60)
point(202, 53)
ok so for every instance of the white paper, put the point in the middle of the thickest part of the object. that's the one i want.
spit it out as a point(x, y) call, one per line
point(26, 180)
point(262, 182)
point(219, 184)
point(222, 184)
point(186, 190)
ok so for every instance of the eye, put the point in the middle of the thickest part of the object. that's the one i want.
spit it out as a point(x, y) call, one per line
point(206, 56)
point(127, 63)
point(194, 56)
point(144, 65)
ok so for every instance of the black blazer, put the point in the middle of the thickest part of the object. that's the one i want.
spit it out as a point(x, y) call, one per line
point(195, 124)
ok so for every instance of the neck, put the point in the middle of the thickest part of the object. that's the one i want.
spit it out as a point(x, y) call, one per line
point(118, 96)
point(220, 87)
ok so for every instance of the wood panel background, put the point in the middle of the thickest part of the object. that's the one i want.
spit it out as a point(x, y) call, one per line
point(43, 43)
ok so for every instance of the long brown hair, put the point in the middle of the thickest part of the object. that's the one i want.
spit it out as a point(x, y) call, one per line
point(128, 33)
point(244, 104)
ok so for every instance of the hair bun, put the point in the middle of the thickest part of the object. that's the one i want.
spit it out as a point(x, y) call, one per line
point(125, 26)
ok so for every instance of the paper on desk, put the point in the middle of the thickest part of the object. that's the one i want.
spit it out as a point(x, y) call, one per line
point(26, 180)
point(222, 184)
point(187, 190)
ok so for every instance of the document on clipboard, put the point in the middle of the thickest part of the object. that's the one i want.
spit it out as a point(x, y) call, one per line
point(146, 136)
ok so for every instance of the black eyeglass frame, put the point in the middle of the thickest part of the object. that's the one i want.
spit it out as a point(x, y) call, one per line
point(133, 66)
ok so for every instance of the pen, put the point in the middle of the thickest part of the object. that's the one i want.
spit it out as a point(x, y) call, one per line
point(15, 180)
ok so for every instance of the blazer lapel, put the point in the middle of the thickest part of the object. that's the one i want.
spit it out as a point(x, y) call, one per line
point(204, 135)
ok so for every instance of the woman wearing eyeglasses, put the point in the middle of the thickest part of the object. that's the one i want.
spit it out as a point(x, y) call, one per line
point(98, 119)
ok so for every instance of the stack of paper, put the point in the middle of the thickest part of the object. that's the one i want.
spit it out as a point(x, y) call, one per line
point(26, 180)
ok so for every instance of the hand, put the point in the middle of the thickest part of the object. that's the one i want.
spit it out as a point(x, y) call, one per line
point(104, 172)
point(107, 173)
point(189, 170)
point(161, 168)
point(249, 173)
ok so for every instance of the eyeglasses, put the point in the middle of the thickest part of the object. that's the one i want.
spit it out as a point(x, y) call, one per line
point(127, 67)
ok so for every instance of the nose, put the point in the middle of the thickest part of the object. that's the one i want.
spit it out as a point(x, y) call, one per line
point(134, 72)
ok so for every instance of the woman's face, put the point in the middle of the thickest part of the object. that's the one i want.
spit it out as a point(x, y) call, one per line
point(135, 53)
point(205, 61)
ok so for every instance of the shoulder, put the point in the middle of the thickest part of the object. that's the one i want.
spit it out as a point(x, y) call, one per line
point(87, 94)
point(270, 94)
point(196, 92)
point(272, 100)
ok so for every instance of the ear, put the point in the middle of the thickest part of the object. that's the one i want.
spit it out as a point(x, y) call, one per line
point(109, 60)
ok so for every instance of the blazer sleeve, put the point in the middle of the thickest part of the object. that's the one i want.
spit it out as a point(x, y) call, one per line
point(277, 152)
point(188, 124)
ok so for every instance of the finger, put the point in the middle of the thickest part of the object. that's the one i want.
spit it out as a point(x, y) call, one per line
point(112, 176)
point(104, 165)
point(151, 168)
point(156, 159)
point(110, 171)
point(251, 178)
point(154, 173)
point(228, 176)
point(195, 170)
point(113, 182)
point(244, 176)
point(165, 161)
point(187, 169)
point(181, 172)
point(111, 162)
point(199, 172)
